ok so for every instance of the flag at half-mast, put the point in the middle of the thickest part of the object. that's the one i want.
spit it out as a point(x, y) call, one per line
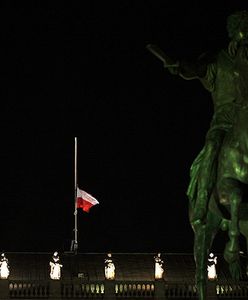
point(85, 200)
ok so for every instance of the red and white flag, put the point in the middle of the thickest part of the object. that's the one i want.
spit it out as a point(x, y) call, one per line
point(85, 200)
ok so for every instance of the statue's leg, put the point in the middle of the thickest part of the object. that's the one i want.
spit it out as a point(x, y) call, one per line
point(213, 226)
point(230, 195)
point(200, 258)
point(204, 235)
point(207, 174)
point(243, 226)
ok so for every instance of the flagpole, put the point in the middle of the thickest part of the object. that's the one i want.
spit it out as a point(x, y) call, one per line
point(75, 245)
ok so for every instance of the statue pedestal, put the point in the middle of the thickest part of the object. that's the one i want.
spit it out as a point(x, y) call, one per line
point(159, 289)
point(109, 289)
point(55, 289)
point(4, 289)
point(211, 290)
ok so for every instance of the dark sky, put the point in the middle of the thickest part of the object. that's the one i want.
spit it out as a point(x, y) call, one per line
point(82, 69)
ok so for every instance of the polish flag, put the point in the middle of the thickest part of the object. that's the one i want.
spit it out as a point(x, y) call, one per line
point(85, 200)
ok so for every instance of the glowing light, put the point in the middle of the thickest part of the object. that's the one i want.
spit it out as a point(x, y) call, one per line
point(55, 271)
point(212, 261)
point(109, 268)
point(4, 267)
point(159, 270)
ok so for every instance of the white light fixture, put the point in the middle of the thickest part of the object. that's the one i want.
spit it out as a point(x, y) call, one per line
point(159, 270)
point(109, 268)
point(55, 267)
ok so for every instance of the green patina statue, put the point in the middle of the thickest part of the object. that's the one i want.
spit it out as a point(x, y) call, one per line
point(219, 171)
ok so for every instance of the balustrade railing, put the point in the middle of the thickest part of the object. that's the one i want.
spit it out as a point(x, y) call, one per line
point(28, 289)
point(114, 289)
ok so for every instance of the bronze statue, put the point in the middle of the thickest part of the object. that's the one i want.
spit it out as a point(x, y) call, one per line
point(218, 172)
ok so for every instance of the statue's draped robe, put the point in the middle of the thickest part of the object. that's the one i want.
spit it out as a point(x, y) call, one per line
point(219, 81)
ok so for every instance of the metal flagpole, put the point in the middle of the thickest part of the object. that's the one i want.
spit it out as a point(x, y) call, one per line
point(74, 245)
point(75, 195)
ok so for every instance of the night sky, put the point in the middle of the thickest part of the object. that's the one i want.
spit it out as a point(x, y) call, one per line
point(82, 69)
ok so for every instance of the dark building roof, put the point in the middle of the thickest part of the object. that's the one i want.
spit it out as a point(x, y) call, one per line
point(90, 266)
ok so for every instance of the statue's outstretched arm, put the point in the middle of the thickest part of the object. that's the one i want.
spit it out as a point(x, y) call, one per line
point(168, 62)
point(192, 69)
point(159, 53)
point(186, 69)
